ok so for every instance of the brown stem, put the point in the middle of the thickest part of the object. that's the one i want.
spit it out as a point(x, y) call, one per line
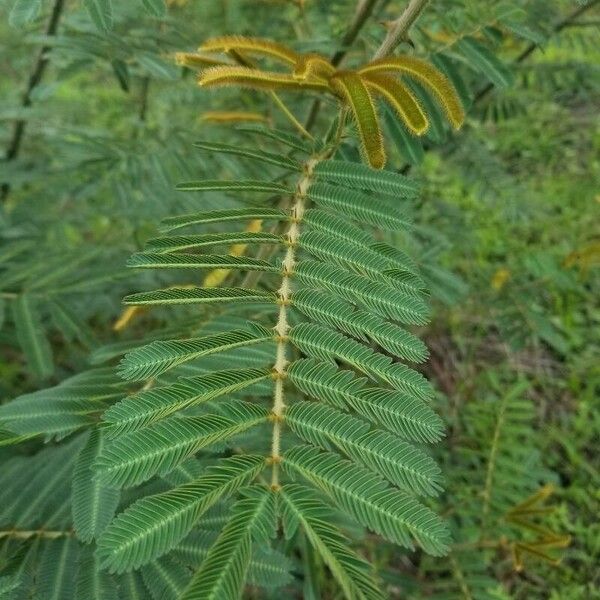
point(144, 98)
point(35, 77)
point(399, 28)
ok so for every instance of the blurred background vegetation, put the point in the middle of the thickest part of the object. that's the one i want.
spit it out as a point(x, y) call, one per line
point(507, 232)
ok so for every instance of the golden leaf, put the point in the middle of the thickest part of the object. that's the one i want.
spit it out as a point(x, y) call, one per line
point(129, 313)
point(402, 100)
point(426, 74)
point(499, 279)
point(193, 60)
point(253, 46)
point(255, 79)
point(232, 116)
point(352, 90)
point(313, 65)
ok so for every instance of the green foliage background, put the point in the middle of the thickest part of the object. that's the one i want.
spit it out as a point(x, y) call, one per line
point(507, 236)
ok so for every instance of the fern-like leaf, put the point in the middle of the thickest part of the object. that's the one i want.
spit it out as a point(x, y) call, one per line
point(261, 156)
point(198, 295)
point(396, 516)
point(400, 463)
point(387, 300)
point(158, 357)
point(401, 414)
point(325, 344)
point(354, 175)
point(221, 216)
point(219, 185)
point(93, 504)
point(223, 572)
point(360, 207)
point(325, 308)
point(152, 405)
point(176, 243)
point(302, 508)
point(154, 525)
point(135, 457)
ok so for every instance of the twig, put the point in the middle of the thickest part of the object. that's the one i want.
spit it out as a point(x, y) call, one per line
point(35, 77)
point(364, 9)
point(399, 28)
point(144, 98)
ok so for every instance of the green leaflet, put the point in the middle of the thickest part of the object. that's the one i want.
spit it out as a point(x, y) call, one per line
point(132, 587)
point(302, 508)
point(150, 260)
point(361, 241)
point(198, 296)
point(403, 415)
point(359, 206)
point(400, 463)
point(56, 575)
point(35, 492)
point(187, 242)
point(410, 146)
point(394, 300)
point(325, 308)
point(223, 571)
point(56, 411)
point(268, 568)
point(154, 525)
point(93, 504)
point(387, 511)
point(157, 8)
point(348, 255)
point(355, 175)
point(165, 578)
point(338, 227)
point(325, 344)
point(93, 583)
point(134, 457)
point(149, 406)
point(485, 61)
point(32, 337)
point(210, 185)
point(23, 11)
point(101, 13)
point(158, 357)
point(222, 216)
point(261, 156)
point(278, 135)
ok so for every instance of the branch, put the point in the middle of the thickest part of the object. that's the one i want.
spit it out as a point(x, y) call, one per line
point(399, 28)
point(35, 77)
point(562, 24)
point(364, 9)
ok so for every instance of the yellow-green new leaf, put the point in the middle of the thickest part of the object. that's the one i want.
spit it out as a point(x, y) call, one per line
point(402, 100)
point(352, 90)
point(429, 76)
